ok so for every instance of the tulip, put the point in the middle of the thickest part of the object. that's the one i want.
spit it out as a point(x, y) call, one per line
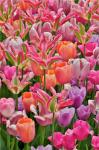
point(96, 54)
point(15, 43)
point(20, 104)
point(26, 129)
point(7, 107)
point(67, 50)
point(69, 140)
point(77, 95)
point(11, 123)
point(89, 48)
point(94, 77)
point(9, 72)
point(28, 100)
point(67, 32)
point(95, 38)
point(81, 130)
point(92, 61)
point(83, 68)
point(83, 112)
point(95, 142)
point(56, 139)
point(97, 100)
point(36, 68)
point(65, 116)
point(48, 147)
point(63, 72)
point(50, 79)
point(54, 5)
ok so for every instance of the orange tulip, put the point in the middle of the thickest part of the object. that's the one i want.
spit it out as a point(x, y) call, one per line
point(63, 72)
point(50, 79)
point(67, 50)
point(28, 100)
point(26, 129)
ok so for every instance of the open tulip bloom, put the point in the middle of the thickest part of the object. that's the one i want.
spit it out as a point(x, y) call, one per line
point(49, 75)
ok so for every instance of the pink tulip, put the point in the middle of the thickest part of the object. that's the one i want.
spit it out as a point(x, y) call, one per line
point(96, 54)
point(56, 139)
point(67, 32)
point(15, 43)
point(81, 130)
point(95, 142)
point(9, 72)
point(83, 68)
point(56, 4)
point(92, 61)
point(89, 48)
point(7, 107)
point(94, 76)
point(69, 140)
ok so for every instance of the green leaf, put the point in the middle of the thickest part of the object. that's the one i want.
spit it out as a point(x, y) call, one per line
point(78, 36)
point(2, 144)
point(82, 29)
point(10, 59)
point(53, 104)
point(2, 36)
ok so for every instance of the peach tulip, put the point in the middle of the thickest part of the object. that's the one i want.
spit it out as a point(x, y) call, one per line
point(63, 72)
point(50, 79)
point(26, 129)
point(28, 100)
point(67, 50)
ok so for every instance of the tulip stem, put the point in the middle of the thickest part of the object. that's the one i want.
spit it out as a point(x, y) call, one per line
point(86, 147)
point(12, 144)
point(44, 80)
point(27, 147)
point(84, 51)
point(16, 98)
point(42, 130)
point(53, 121)
point(16, 145)
point(8, 141)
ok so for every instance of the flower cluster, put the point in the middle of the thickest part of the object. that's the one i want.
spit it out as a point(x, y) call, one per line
point(49, 74)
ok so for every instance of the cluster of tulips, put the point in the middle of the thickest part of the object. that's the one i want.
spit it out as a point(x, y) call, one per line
point(49, 75)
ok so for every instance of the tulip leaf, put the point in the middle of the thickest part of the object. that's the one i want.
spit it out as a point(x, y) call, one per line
point(82, 29)
point(78, 36)
point(10, 59)
point(2, 36)
point(2, 144)
point(53, 104)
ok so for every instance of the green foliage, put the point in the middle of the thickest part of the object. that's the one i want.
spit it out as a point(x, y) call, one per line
point(2, 36)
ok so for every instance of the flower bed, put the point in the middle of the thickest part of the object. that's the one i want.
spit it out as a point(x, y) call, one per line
point(49, 75)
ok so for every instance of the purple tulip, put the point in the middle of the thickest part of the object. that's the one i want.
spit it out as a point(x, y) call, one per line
point(20, 104)
point(83, 112)
point(65, 116)
point(77, 95)
point(95, 38)
point(41, 147)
